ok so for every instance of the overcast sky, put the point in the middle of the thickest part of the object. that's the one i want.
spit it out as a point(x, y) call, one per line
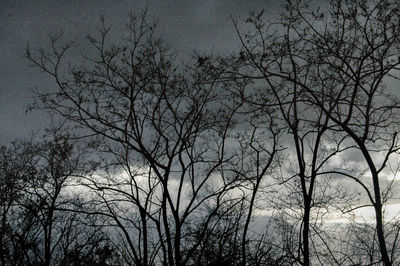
point(186, 25)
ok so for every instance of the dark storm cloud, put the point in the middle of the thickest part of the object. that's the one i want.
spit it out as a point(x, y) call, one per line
point(186, 25)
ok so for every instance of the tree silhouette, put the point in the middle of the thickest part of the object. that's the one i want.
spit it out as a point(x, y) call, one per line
point(184, 157)
point(337, 62)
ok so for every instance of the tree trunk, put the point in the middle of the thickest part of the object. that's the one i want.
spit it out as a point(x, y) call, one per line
point(306, 231)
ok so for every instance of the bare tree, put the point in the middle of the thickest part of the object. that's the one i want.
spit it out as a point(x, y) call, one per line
point(57, 162)
point(173, 143)
point(309, 128)
point(337, 62)
point(163, 128)
point(35, 228)
point(17, 167)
